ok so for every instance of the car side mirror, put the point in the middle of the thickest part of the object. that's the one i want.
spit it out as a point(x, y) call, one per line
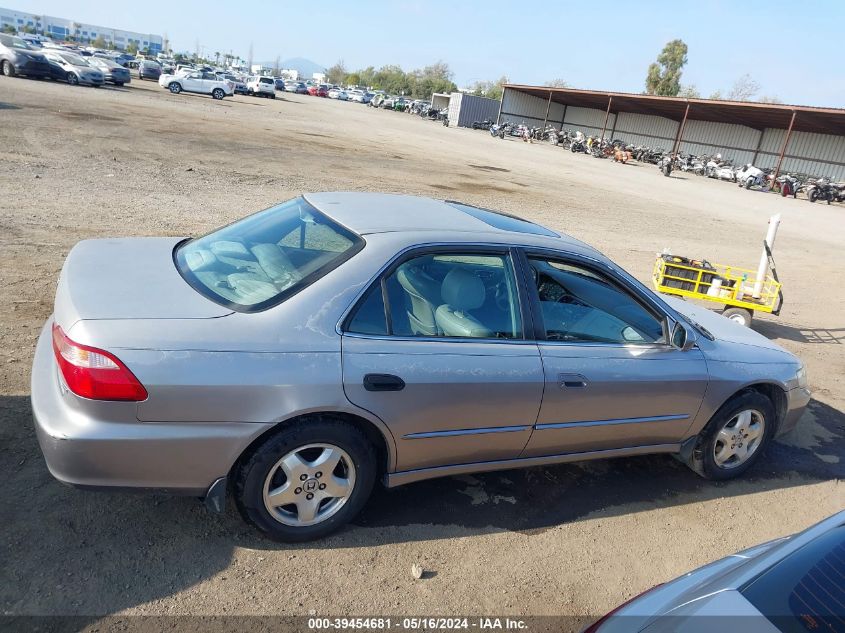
point(682, 337)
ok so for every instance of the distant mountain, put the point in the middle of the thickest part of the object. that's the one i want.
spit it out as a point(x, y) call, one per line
point(305, 67)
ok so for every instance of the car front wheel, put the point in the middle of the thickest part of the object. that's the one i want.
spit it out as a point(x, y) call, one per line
point(8, 69)
point(217, 93)
point(72, 79)
point(306, 481)
point(175, 88)
point(737, 436)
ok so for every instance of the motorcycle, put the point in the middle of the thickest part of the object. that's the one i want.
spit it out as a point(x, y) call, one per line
point(486, 124)
point(665, 165)
point(789, 185)
point(500, 129)
point(822, 189)
point(750, 176)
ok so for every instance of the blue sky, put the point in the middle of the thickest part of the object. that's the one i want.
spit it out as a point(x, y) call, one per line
point(793, 49)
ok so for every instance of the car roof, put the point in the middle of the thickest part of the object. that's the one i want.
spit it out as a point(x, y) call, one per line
point(369, 213)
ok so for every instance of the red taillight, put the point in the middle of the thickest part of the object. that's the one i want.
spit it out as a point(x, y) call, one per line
point(94, 373)
point(595, 626)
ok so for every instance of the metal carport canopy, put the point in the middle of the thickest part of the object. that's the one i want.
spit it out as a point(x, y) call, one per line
point(754, 115)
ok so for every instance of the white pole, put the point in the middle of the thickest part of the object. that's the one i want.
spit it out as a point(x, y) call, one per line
point(774, 222)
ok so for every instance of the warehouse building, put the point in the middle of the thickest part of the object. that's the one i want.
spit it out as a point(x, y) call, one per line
point(787, 138)
point(62, 29)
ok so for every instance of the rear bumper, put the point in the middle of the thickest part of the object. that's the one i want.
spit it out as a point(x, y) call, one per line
point(103, 445)
point(796, 402)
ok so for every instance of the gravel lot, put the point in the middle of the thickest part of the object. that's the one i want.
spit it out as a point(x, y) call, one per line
point(573, 539)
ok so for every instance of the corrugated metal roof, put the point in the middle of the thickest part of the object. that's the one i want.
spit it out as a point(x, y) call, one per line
point(754, 115)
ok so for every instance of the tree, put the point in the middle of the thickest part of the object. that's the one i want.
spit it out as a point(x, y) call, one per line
point(37, 20)
point(353, 79)
point(689, 92)
point(28, 29)
point(337, 73)
point(768, 99)
point(664, 76)
point(100, 42)
point(8, 28)
point(716, 95)
point(132, 48)
point(556, 83)
point(489, 89)
point(744, 89)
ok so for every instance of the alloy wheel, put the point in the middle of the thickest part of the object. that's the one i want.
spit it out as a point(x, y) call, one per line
point(739, 439)
point(309, 484)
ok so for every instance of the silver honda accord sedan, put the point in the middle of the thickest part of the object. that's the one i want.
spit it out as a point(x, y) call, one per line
point(294, 357)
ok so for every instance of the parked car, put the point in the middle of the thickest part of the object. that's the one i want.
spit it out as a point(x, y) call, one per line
point(77, 70)
point(112, 71)
point(788, 584)
point(279, 84)
point(20, 58)
point(261, 87)
point(339, 94)
point(238, 85)
point(197, 82)
point(388, 102)
point(342, 338)
point(318, 91)
point(297, 87)
point(149, 70)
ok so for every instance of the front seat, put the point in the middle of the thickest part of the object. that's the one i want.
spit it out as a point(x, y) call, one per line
point(424, 293)
point(461, 291)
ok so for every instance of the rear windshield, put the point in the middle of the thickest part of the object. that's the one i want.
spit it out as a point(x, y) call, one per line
point(266, 80)
point(806, 590)
point(260, 261)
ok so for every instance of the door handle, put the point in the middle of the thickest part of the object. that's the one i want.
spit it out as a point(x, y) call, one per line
point(383, 382)
point(571, 381)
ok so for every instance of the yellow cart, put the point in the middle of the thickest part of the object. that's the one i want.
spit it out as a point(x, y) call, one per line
point(727, 285)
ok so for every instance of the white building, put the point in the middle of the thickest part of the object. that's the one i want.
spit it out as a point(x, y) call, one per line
point(319, 77)
point(289, 73)
point(262, 71)
point(63, 29)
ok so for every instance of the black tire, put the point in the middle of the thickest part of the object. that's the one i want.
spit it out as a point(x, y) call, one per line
point(748, 183)
point(752, 400)
point(72, 79)
point(272, 96)
point(250, 92)
point(739, 315)
point(813, 195)
point(8, 69)
point(174, 87)
point(118, 83)
point(252, 473)
point(218, 93)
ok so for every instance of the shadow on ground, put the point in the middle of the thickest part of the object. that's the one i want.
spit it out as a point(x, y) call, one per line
point(818, 335)
point(72, 552)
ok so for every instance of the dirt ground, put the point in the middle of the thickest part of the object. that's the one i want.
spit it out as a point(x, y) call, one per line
point(573, 539)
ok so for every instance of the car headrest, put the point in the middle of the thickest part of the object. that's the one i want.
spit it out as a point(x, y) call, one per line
point(462, 290)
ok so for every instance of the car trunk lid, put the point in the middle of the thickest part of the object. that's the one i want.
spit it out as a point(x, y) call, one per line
point(128, 278)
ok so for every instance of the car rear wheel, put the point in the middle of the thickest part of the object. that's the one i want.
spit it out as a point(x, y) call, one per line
point(118, 83)
point(306, 481)
point(218, 94)
point(72, 79)
point(737, 436)
point(8, 68)
point(175, 88)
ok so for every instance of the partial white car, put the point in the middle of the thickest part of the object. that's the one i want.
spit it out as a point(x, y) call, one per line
point(198, 82)
point(339, 94)
point(261, 87)
point(79, 71)
point(356, 95)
